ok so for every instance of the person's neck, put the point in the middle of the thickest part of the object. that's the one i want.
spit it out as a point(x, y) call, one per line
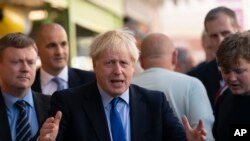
point(53, 72)
point(163, 66)
point(16, 92)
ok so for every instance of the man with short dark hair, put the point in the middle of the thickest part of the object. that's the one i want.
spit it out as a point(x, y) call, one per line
point(233, 57)
point(219, 22)
point(22, 111)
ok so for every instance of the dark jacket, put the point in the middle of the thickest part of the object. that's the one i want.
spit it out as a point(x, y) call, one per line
point(83, 115)
point(76, 77)
point(42, 105)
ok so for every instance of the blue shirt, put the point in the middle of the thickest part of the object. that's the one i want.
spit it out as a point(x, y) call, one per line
point(13, 112)
point(122, 107)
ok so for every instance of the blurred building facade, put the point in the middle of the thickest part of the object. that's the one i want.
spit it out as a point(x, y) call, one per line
point(181, 20)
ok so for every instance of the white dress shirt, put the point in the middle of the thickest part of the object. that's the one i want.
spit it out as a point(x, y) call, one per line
point(48, 86)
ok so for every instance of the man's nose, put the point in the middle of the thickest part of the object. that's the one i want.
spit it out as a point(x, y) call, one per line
point(220, 38)
point(117, 68)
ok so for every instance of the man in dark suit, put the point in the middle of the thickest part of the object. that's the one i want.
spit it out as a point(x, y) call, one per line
point(53, 49)
point(92, 112)
point(219, 22)
point(18, 55)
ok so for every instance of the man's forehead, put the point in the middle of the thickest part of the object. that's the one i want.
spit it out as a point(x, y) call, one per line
point(220, 28)
point(238, 63)
point(20, 49)
point(224, 23)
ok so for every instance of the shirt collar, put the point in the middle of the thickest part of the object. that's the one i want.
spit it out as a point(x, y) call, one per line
point(106, 98)
point(11, 100)
point(46, 77)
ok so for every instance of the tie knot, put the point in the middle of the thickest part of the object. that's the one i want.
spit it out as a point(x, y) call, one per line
point(114, 101)
point(20, 104)
point(57, 79)
point(59, 83)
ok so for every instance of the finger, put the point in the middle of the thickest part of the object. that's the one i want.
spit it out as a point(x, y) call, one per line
point(49, 120)
point(58, 117)
point(204, 132)
point(200, 126)
point(203, 138)
point(47, 126)
point(186, 123)
point(46, 138)
point(46, 132)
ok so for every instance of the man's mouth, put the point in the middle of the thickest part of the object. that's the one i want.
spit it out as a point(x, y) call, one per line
point(117, 82)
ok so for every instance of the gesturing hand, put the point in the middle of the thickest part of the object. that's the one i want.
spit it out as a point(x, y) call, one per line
point(49, 130)
point(196, 134)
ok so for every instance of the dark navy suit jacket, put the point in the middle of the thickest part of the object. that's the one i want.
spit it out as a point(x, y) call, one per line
point(42, 105)
point(76, 77)
point(83, 115)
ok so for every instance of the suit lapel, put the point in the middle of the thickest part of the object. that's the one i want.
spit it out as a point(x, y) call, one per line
point(94, 108)
point(5, 134)
point(41, 111)
point(73, 79)
point(137, 114)
point(36, 86)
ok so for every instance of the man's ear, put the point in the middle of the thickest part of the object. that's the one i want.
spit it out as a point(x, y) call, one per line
point(141, 62)
point(94, 64)
point(174, 57)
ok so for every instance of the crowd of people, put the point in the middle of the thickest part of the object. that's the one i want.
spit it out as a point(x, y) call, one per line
point(57, 102)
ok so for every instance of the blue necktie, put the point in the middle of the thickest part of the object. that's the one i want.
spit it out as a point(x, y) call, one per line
point(117, 130)
point(23, 130)
point(59, 83)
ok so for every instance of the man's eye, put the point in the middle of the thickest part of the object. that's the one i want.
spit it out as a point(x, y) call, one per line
point(51, 45)
point(15, 62)
point(124, 63)
point(239, 71)
point(225, 33)
point(109, 62)
point(225, 71)
point(31, 62)
point(213, 36)
point(64, 44)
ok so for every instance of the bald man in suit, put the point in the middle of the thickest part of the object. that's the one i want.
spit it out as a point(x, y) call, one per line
point(53, 50)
